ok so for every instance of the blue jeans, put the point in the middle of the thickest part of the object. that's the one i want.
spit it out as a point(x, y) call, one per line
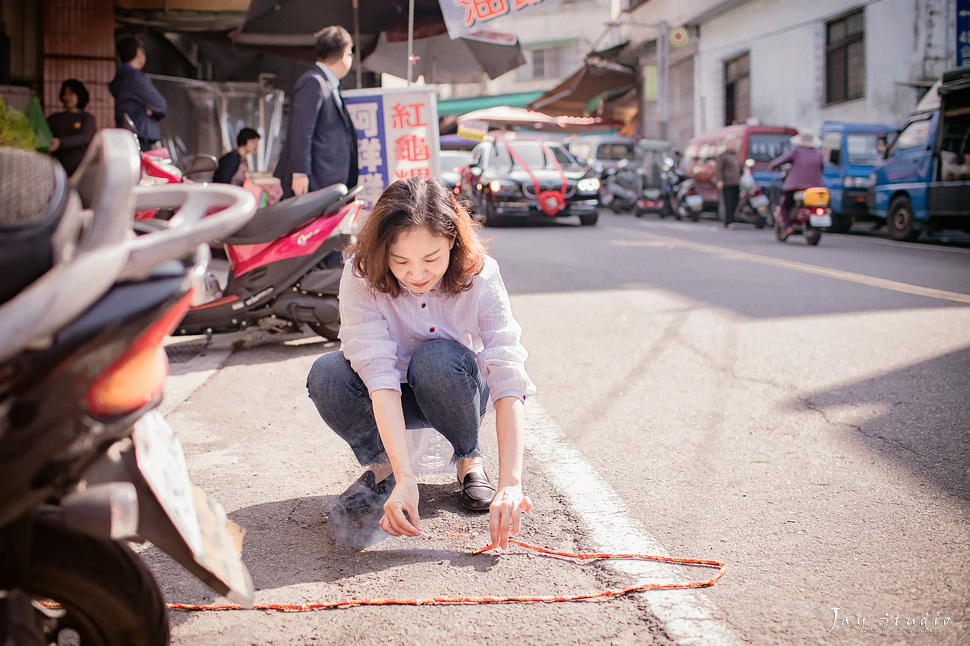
point(445, 391)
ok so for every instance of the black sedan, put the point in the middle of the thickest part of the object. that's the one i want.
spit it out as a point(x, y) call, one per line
point(513, 179)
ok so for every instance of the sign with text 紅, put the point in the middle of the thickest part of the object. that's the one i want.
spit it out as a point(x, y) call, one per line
point(397, 136)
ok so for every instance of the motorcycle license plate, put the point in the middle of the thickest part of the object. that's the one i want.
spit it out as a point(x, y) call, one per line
point(215, 541)
point(161, 461)
point(758, 201)
point(820, 220)
point(651, 193)
point(694, 201)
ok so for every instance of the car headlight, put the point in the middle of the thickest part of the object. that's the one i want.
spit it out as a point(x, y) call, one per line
point(858, 182)
point(588, 185)
point(503, 187)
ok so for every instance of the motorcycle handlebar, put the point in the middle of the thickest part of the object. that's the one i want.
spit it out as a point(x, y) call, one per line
point(191, 226)
point(106, 250)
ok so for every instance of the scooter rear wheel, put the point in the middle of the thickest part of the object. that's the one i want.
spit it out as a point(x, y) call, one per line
point(108, 594)
point(812, 235)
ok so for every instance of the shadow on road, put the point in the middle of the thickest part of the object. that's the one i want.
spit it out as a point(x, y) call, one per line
point(925, 428)
point(290, 544)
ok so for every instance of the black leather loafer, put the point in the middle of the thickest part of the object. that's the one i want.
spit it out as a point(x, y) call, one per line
point(476, 492)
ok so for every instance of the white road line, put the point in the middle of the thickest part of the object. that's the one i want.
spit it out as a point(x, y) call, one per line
point(688, 617)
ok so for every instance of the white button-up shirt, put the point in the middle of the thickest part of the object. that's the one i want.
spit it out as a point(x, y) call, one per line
point(379, 333)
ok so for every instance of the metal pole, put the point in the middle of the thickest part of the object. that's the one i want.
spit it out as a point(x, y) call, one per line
point(663, 77)
point(410, 40)
point(356, 5)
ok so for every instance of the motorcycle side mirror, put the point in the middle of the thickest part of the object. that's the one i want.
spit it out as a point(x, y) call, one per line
point(749, 162)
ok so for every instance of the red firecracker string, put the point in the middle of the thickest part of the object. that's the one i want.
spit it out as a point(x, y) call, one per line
point(439, 601)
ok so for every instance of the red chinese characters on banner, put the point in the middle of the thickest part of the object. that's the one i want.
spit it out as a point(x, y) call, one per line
point(481, 10)
point(410, 146)
point(407, 115)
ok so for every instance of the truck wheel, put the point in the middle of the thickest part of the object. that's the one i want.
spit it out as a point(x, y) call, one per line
point(588, 220)
point(902, 227)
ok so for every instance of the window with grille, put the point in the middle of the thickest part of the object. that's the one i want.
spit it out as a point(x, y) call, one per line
point(845, 58)
point(552, 62)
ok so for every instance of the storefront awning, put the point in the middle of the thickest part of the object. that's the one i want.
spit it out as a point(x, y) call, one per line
point(572, 96)
point(454, 107)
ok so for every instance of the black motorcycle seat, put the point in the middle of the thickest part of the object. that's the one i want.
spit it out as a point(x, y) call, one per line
point(34, 195)
point(286, 215)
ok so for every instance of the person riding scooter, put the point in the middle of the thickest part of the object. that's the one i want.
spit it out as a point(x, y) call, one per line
point(806, 162)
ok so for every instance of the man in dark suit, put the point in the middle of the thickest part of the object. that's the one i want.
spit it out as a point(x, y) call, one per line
point(135, 95)
point(321, 141)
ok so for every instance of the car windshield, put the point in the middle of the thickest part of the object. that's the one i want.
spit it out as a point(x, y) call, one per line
point(865, 148)
point(615, 151)
point(765, 147)
point(534, 155)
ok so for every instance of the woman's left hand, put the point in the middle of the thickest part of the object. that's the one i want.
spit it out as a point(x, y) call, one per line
point(505, 514)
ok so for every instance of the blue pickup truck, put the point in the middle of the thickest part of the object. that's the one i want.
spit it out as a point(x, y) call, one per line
point(924, 182)
point(851, 151)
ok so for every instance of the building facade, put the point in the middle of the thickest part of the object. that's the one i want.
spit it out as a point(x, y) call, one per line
point(785, 62)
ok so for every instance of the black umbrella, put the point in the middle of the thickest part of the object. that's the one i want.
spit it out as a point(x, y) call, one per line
point(287, 26)
point(293, 22)
point(442, 59)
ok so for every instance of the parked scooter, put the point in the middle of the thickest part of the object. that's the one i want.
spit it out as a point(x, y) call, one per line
point(809, 214)
point(621, 187)
point(752, 201)
point(284, 268)
point(652, 198)
point(680, 191)
point(157, 168)
point(88, 462)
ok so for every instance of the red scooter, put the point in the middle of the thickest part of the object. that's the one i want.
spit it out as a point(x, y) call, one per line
point(88, 461)
point(284, 268)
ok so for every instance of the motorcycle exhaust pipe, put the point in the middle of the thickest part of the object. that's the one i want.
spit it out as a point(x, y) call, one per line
point(108, 510)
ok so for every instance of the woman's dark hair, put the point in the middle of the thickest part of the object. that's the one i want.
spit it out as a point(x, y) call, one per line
point(78, 89)
point(332, 42)
point(245, 135)
point(418, 202)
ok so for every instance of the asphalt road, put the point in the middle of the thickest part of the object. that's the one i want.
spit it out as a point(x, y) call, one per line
point(798, 413)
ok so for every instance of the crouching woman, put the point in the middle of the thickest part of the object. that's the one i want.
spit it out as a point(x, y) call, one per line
point(427, 337)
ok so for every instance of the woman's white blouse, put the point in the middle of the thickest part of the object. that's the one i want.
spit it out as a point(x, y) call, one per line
point(379, 333)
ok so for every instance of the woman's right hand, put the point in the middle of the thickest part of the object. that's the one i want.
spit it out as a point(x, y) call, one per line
point(403, 500)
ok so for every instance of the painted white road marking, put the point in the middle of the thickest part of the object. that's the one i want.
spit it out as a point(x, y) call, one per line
point(688, 617)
